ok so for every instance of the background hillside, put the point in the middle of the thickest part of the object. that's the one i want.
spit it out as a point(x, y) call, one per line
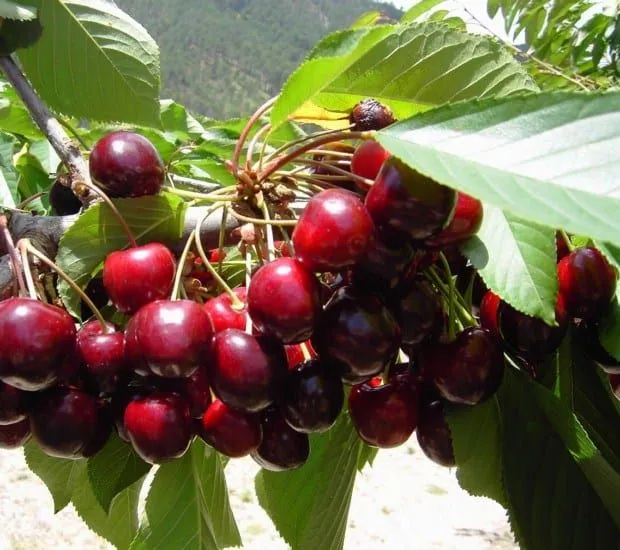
point(223, 58)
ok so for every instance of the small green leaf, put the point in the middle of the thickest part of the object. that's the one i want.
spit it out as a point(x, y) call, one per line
point(175, 118)
point(14, 117)
point(366, 19)
point(8, 177)
point(46, 155)
point(419, 8)
point(16, 11)
point(33, 179)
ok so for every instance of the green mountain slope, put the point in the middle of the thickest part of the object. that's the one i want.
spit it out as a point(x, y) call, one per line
point(223, 58)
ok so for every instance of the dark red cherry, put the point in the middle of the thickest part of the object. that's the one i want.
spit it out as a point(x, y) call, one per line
point(489, 308)
point(281, 448)
point(138, 276)
point(196, 391)
point(246, 371)
point(126, 164)
point(419, 313)
point(35, 339)
point(103, 431)
point(384, 416)
point(133, 349)
point(587, 283)
point(63, 201)
point(369, 114)
point(334, 231)
point(404, 203)
point(173, 337)
point(357, 330)
point(561, 246)
point(313, 396)
point(596, 352)
point(13, 436)
point(467, 370)
point(230, 432)
point(222, 313)
point(368, 159)
point(159, 426)
point(434, 434)
point(13, 404)
point(614, 382)
point(465, 223)
point(63, 422)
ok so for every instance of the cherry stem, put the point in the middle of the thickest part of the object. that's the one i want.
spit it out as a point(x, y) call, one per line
point(252, 145)
point(75, 287)
point(248, 279)
point(259, 221)
point(451, 313)
point(176, 288)
point(464, 314)
point(206, 197)
point(13, 256)
point(569, 243)
point(337, 154)
point(32, 290)
point(269, 230)
point(305, 351)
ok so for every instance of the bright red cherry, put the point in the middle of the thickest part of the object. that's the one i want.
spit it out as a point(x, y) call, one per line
point(159, 427)
point(137, 276)
point(404, 203)
point(465, 223)
point(126, 164)
point(333, 232)
point(246, 371)
point(587, 283)
point(434, 434)
point(368, 159)
point(231, 432)
point(284, 301)
point(13, 406)
point(384, 416)
point(489, 308)
point(222, 313)
point(35, 339)
point(13, 436)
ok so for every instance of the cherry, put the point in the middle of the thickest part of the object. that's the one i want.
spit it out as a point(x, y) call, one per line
point(587, 283)
point(230, 432)
point(313, 396)
point(384, 416)
point(369, 114)
point(158, 426)
point(331, 282)
point(282, 448)
point(368, 159)
point(333, 232)
point(103, 430)
point(13, 436)
point(139, 275)
point(126, 164)
point(489, 307)
point(434, 434)
point(36, 337)
point(358, 331)
point(200, 272)
point(465, 223)
point(172, 337)
point(64, 421)
point(247, 371)
point(596, 352)
point(196, 391)
point(614, 382)
point(284, 301)
point(561, 246)
point(133, 350)
point(222, 313)
point(63, 201)
point(403, 202)
point(467, 370)
point(13, 405)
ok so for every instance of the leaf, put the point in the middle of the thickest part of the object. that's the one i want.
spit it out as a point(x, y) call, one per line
point(8, 176)
point(175, 118)
point(94, 37)
point(609, 328)
point(309, 506)
point(113, 469)
point(410, 67)
point(46, 155)
point(550, 158)
point(33, 178)
point(14, 117)
point(17, 12)
point(516, 260)
point(187, 506)
point(366, 19)
point(419, 8)
point(18, 34)
point(96, 233)
point(610, 251)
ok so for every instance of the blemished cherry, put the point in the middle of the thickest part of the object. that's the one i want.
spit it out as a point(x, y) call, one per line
point(126, 164)
point(222, 313)
point(158, 426)
point(36, 338)
point(333, 232)
point(284, 301)
point(419, 313)
point(63, 422)
point(313, 396)
point(368, 159)
point(489, 307)
point(358, 331)
point(137, 276)
point(384, 416)
point(63, 201)
point(467, 370)
point(173, 337)
point(465, 223)
point(13, 404)
point(246, 371)
point(587, 283)
point(369, 114)
point(13, 436)
point(229, 431)
point(196, 391)
point(404, 203)
point(434, 434)
point(281, 448)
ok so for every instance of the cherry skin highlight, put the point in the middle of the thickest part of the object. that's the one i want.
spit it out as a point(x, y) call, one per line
point(222, 313)
point(368, 159)
point(13, 405)
point(14, 436)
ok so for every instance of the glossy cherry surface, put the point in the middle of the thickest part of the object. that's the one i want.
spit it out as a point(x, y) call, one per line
point(63, 201)
point(465, 223)
point(196, 391)
point(13, 436)
point(13, 404)
point(222, 313)
point(368, 159)
point(489, 308)
point(419, 313)
point(434, 434)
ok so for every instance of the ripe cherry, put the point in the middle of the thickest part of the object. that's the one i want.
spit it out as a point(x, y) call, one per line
point(284, 301)
point(63, 201)
point(587, 283)
point(229, 431)
point(489, 308)
point(126, 164)
point(223, 314)
point(196, 391)
point(369, 114)
point(465, 223)
point(13, 436)
point(434, 434)
point(139, 275)
point(419, 313)
point(36, 338)
point(334, 231)
point(159, 426)
point(368, 159)
point(13, 405)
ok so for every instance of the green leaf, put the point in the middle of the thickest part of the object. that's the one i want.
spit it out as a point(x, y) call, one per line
point(548, 158)
point(94, 37)
point(309, 506)
point(419, 8)
point(187, 506)
point(96, 233)
point(609, 328)
point(46, 155)
point(113, 469)
point(610, 251)
point(175, 118)
point(14, 117)
point(516, 260)
point(17, 12)
point(8, 176)
point(366, 19)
